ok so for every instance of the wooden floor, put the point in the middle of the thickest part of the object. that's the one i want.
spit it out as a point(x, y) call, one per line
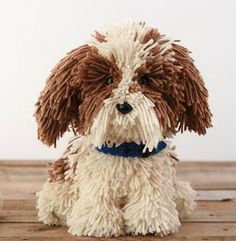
point(214, 218)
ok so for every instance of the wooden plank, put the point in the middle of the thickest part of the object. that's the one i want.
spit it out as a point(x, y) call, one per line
point(18, 216)
point(208, 175)
point(20, 181)
point(214, 218)
point(202, 205)
point(219, 195)
point(202, 175)
point(146, 238)
point(27, 201)
point(19, 174)
point(22, 187)
point(206, 211)
point(19, 201)
point(217, 205)
point(181, 164)
point(213, 211)
point(24, 163)
point(206, 164)
point(188, 231)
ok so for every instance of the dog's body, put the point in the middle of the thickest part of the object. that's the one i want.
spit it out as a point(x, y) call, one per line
point(130, 88)
point(101, 195)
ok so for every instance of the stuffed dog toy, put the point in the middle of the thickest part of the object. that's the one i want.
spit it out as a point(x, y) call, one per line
point(123, 94)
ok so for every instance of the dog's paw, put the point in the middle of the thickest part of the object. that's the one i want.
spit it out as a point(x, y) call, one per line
point(46, 202)
point(185, 198)
point(150, 219)
point(157, 225)
point(95, 221)
point(46, 213)
point(54, 203)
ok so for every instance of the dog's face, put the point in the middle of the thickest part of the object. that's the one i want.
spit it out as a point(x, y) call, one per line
point(130, 84)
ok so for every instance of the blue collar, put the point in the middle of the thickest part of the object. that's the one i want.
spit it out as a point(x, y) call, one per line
point(130, 149)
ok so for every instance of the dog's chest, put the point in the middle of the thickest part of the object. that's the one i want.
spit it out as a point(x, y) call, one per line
point(97, 171)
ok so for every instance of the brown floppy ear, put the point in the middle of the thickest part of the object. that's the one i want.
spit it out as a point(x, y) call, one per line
point(197, 115)
point(57, 106)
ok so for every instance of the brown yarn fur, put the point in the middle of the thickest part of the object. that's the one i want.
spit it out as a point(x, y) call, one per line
point(176, 88)
point(93, 74)
point(56, 170)
point(74, 93)
point(57, 107)
point(77, 86)
point(100, 37)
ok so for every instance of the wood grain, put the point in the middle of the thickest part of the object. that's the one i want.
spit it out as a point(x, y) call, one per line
point(213, 219)
point(187, 231)
point(206, 211)
point(202, 175)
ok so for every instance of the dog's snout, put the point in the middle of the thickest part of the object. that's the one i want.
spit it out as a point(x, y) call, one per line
point(124, 108)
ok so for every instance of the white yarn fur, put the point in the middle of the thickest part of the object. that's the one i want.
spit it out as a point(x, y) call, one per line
point(110, 195)
point(141, 125)
point(185, 198)
point(92, 205)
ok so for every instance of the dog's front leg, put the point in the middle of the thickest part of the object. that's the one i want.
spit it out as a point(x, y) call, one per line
point(56, 198)
point(96, 212)
point(185, 198)
point(59, 192)
point(151, 204)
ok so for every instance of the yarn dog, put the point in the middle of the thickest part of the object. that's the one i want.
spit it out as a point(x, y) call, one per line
point(123, 94)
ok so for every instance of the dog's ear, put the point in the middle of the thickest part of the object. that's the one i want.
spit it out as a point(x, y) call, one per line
point(57, 106)
point(197, 115)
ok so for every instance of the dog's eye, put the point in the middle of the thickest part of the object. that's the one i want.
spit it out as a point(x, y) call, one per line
point(144, 80)
point(109, 80)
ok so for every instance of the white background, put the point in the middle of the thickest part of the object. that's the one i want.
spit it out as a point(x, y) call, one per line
point(34, 35)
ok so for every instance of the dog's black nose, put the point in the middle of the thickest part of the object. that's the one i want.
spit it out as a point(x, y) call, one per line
point(124, 108)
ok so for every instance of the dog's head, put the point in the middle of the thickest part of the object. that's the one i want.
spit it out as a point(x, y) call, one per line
point(130, 84)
